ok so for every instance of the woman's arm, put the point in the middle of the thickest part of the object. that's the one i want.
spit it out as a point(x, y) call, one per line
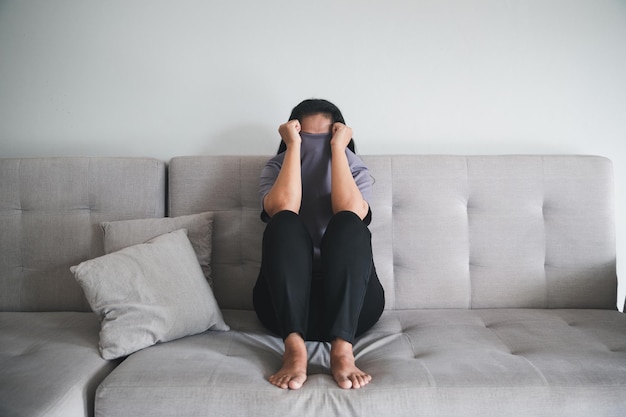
point(286, 193)
point(345, 194)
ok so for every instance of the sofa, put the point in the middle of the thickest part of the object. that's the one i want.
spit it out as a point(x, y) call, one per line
point(499, 275)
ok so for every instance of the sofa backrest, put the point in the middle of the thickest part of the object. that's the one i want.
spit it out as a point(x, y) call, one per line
point(495, 231)
point(228, 186)
point(50, 210)
point(448, 231)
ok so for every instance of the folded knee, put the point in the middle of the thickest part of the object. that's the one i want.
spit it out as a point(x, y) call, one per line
point(347, 224)
point(287, 228)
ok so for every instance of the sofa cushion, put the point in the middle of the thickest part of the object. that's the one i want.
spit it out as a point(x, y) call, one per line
point(504, 362)
point(229, 187)
point(49, 364)
point(123, 233)
point(148, 293)
point(50, 209)
point(509, 231)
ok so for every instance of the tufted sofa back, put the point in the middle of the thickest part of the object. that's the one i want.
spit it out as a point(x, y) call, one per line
point(448, 231)
point(50, 210)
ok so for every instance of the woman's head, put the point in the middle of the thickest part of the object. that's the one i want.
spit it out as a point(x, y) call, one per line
point(317, 106)
point(312, 107)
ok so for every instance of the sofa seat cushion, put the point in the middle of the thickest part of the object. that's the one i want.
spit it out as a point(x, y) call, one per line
point(424, 362)
point(50, 364)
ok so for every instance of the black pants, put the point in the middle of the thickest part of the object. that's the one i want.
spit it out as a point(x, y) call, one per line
point(343, 300)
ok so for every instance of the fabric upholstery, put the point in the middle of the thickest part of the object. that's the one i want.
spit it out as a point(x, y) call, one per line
point(50, 209)
point(448, 231)
point(499, 274)
point(123, 233)
point(148, 293)
point(228, 187)
point(436, 362)
point(49, 364)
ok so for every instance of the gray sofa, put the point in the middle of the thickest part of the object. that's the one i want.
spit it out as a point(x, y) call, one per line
point(499, 274)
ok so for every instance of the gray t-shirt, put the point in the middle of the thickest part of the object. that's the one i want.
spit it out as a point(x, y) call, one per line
point(316, 208)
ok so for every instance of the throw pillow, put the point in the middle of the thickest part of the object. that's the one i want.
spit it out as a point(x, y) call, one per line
point(124, 233)
point(148, 293)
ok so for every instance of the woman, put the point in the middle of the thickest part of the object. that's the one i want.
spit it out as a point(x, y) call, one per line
point(317, 279)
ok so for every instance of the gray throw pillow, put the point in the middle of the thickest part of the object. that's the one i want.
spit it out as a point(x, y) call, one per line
point(148, 293)
point(124, 233)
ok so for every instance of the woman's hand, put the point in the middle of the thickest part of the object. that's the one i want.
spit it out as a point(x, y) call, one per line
point(290, 132)
point(342, 135)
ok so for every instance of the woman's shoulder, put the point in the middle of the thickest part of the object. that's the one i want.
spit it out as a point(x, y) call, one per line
point(355, 161)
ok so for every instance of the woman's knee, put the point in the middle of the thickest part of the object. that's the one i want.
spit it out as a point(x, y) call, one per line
point(345, 227)
point(285, 217)
point(285, 224)
point(286, 240)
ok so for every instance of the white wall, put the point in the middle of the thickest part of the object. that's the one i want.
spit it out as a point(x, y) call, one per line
point(165, 78)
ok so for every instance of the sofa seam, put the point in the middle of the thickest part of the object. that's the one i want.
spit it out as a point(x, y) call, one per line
point(546, 295)
point(511, 351)
point(90, 203)
point(241, 252)
point(470, 300)
point(430, 377)
point(155, 185)
point(21, 232)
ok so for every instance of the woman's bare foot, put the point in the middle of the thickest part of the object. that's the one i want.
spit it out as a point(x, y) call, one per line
point(293, 373)
point(343, 367)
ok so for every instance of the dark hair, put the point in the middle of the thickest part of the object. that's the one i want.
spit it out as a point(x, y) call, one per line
point(314, 106)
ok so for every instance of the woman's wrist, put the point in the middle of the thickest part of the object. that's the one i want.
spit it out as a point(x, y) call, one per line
point(294, 147)
point(337, 147)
